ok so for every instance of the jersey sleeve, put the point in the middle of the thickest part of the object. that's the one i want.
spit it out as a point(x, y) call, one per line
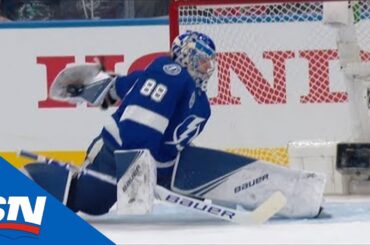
point(125, 83)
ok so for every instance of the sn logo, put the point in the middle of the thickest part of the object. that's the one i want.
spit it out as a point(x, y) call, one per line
point(9, 216)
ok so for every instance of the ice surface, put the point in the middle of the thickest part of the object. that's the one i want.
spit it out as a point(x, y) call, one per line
point(349, 224)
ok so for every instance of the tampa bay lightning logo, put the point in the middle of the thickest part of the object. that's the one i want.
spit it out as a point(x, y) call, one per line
point(172, 69)
point(186, 131)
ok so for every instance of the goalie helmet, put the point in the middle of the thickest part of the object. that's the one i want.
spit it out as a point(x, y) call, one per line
point(196, 52)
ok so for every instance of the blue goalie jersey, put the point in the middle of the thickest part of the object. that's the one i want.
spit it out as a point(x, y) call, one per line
point(161, 110)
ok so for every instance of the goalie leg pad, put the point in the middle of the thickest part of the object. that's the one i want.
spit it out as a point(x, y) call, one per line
point(235, 179)
point(91, 195)
point(53, 178)
point(136, 179)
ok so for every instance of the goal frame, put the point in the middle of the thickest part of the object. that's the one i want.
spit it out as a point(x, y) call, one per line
point(311, 153)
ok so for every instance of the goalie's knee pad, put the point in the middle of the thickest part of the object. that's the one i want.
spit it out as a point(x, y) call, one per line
point(53, 178)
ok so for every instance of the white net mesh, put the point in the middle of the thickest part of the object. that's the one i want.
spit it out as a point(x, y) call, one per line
point(278, 77)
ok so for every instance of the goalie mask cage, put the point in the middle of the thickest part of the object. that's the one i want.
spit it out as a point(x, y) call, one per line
point(278, 77)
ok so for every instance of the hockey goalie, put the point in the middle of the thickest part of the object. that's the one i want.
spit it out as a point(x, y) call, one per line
point(162, 109)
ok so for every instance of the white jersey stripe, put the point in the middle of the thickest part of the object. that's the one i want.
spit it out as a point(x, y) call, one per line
point(145, 117)
point(93, 153)
point(112, 127)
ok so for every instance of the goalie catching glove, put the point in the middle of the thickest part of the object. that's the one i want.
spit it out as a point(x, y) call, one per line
point(85, 83)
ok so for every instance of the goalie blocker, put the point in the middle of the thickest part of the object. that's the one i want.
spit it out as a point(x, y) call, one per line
point(199, 173)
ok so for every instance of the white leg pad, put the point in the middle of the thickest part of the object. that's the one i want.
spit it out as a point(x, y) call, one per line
point(135, 187)
point(254, 183)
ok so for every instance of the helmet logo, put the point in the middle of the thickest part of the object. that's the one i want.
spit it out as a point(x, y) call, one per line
point(172, 69)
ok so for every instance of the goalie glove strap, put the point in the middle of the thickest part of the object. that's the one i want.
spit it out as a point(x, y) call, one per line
point(112, 91)
point(111, 97)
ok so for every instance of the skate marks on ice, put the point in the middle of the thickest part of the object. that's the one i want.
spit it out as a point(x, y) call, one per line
point(339, 211)
point(349, 224)
point(163, 215)
point(334, 213)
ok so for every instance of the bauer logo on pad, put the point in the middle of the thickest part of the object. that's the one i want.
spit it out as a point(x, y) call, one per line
point(30, 215)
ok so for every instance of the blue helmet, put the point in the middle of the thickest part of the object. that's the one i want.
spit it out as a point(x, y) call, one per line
point(196, 52)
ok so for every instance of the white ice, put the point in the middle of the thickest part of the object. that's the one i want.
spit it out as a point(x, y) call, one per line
point(349, 224)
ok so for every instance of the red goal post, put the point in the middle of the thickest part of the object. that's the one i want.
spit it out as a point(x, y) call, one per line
point(278, 78)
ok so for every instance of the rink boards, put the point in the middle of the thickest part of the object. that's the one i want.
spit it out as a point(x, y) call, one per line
point(31, 120)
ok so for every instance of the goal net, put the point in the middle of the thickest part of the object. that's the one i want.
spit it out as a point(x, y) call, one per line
point(278, 77)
